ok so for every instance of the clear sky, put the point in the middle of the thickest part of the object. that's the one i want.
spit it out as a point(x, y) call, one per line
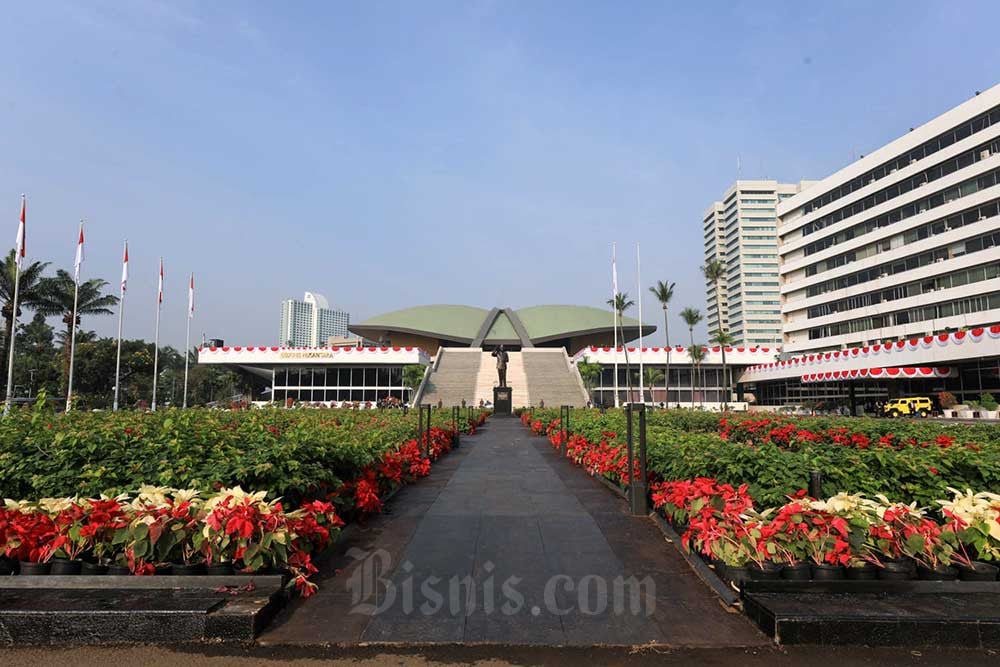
point(394, 154)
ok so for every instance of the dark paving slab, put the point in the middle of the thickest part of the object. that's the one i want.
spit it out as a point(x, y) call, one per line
point(888, 619)
point(34, 614)
point(509, 543)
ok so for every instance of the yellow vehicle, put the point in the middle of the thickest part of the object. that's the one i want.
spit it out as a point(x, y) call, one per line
point(915, 405)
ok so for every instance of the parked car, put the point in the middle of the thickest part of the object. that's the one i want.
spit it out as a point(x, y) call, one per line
point(914, 405)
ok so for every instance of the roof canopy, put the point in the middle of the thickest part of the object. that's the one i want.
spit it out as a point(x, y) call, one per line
point(470, 325)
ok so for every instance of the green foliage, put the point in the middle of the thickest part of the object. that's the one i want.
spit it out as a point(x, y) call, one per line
point(685, 444)
point(292, 453)
point(413, 375)
point(988, 402)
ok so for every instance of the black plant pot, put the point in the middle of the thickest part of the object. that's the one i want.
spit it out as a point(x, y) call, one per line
point(7, 566)
point(737, 575)
point(826, 572)
point(188, 569)
point(219, 569)
point(35, 568)
point(89, 568)
point(939, 573)
point(979, 571)
point(65, 566)
point(119, 570)
point(766, 571)
point(163, 569)
point(896, 570)
point(863, 572)
point(796, 572)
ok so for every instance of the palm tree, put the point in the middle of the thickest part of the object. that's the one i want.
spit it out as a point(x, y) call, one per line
point(691, 317)
point(664, 292)
point(715, 271)
point(722, 339)
point(30, 292)
point(621, 303)
point(697, 354)
point(58, 300)
point(652, 376)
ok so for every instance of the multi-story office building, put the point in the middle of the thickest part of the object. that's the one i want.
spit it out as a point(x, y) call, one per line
point(902, 243)
point(311, 322)
point(740, 232)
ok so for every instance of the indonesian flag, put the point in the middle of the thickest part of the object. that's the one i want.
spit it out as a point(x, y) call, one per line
point(19, 244)
point(159, 294)
point(125, 269)
point(191, 297)
point(79, 255)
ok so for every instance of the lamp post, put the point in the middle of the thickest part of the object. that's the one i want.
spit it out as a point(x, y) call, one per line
point(638, 490)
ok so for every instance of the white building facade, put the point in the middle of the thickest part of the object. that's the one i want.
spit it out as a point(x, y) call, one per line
point(741, 232)
point(901, 244)
point(311, 322)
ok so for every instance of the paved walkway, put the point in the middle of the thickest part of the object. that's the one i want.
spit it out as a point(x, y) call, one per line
point(506, 542)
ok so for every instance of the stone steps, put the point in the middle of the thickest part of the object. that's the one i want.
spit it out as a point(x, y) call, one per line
point(552, 379)
point(534, 375)
point(454, 378)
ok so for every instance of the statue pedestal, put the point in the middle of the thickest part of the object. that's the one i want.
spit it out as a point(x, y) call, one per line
point(502, 401)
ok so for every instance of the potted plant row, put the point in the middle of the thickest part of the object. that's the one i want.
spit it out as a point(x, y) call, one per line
point(164, 531)
point(845, 537)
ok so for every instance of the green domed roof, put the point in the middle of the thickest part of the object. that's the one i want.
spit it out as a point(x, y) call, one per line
point(465, 324)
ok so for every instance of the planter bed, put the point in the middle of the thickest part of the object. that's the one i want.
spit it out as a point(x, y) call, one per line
point(120, 609)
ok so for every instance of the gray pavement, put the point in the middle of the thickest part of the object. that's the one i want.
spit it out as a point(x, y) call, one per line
point(509, 543)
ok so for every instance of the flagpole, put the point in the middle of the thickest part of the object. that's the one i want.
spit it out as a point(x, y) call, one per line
point(156, 337)
point(614, 309)
point(121, 317)
point(72, 329)
point(18, 255)
point(13, 335)
point(638, 280)
point(187, 339)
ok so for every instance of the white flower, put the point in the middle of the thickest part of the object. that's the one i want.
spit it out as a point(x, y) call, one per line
point(55, 505)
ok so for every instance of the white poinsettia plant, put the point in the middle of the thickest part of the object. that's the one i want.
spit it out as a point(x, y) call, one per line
point(976, 519)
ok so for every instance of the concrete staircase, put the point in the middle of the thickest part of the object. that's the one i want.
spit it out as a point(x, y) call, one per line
point(453, 378)
point(534, 375)
point(552, 378)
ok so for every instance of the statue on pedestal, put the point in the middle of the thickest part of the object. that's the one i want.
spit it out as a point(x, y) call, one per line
point(501, 355)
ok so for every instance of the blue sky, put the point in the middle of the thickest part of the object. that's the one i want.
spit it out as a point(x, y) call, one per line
point(393, 154)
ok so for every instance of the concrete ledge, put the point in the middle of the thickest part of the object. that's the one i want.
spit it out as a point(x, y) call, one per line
point(955, 615)
point(110, 614)
point(128, 582)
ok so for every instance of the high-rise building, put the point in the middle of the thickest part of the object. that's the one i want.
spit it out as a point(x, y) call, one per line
point(902, 243)
point(310, 322)
point(740, 232)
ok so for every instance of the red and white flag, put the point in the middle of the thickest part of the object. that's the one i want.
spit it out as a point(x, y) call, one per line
point(78, 262)
point(191, 298)
point(125, 269)
point(159, 295)
point(19, 244)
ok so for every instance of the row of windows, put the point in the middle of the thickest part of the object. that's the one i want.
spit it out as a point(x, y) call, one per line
point(974, 304)
point(916, 288)
point(382, 376)
point(933, 174)
point(322, 395)
point(966, 217)
point(905, 264)
point(966, 129)
point(964, 189)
